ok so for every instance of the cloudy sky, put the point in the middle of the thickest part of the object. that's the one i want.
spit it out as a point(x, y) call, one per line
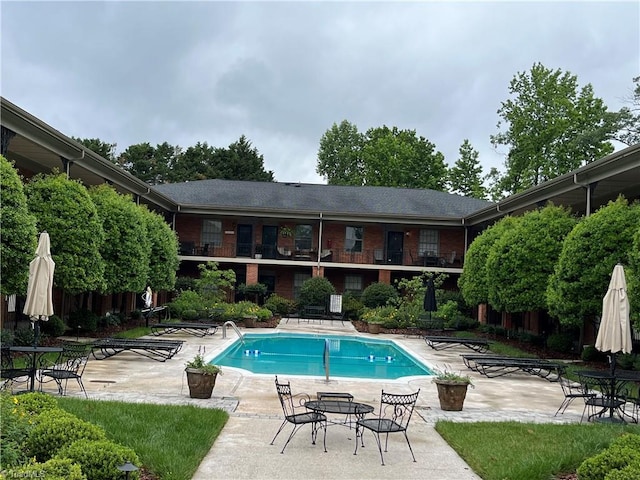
point(281, 73)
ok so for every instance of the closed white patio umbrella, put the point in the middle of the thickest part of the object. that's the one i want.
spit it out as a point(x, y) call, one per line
point(614, 333)
point(39, 302)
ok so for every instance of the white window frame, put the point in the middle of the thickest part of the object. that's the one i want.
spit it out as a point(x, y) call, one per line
point(353, 283)
point(429, 243)
point(351, 241)
point(211, 233)
point(298, 279)
point(303, 237)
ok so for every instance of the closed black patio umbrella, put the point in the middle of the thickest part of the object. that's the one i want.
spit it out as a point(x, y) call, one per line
point(429, 303)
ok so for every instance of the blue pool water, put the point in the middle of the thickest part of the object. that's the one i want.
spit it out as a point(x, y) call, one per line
point(299, 354)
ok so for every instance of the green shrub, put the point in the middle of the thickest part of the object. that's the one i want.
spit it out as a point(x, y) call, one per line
point(378, 295)
point(630, 472)
point(6, 337)
point(315, 291)
point(622, 452)
point(253, 291)
point(385, 316)
point(280, 305)
point(14, 425)
point(23, 336)
point(560, 342)
point(35, 402)
point(190, 314)
point(467, 323)
point(184, 283)
point(186, 300)
point(626, 360)
point(351, 306)
point(53, 469)
point(85, 319)
point(237, 311)
point(100, 459)
point(592, 354)
point(55, 429)
point(111, 320)
point(54, 327)
point(449, 313)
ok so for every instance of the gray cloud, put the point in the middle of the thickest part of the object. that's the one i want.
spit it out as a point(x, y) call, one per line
point(283, 73)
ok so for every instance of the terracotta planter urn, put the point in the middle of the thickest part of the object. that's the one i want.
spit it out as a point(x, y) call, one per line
point(200, 384)
point(249, 321)
point(374, 327)
point(451, 394)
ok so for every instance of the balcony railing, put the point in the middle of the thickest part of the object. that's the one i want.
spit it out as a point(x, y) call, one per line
point(366, 257)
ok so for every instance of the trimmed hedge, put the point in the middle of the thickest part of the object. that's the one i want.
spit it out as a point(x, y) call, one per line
point(55, 429)
point(100, 459)
point(622, 455)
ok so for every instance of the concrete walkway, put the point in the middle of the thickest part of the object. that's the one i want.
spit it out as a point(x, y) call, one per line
point(242, 451)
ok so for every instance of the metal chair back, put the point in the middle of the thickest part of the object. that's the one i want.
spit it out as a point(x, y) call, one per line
point(397, 408)
point(70, 365)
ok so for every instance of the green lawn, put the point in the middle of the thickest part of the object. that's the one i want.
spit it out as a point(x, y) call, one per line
point(171, 441)
point(525, 451)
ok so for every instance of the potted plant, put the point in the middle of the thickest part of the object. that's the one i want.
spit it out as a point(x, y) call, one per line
point(452, 389)
point(375, 326)
point(201, 377)
point(286, 231)
point(258, 251)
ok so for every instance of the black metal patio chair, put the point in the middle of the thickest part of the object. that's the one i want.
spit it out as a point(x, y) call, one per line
point(9, 373)
point(70, 365)
point(394, 417)
point(573, 390)
point(297, 414)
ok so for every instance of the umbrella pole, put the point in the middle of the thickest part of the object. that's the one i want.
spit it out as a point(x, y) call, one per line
point(36, 332)
point(613, 384)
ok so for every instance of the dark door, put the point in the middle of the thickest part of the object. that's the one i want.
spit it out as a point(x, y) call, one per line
point(269, 241)
point(268, 279)
point(244, 241)
point(395, 243)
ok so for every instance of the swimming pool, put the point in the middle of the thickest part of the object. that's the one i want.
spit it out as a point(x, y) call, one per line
point(300, 354)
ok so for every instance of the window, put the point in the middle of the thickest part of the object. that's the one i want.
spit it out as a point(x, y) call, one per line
point(429, 243)
point(353, 239)
point(353, 283)
point(298, 280)
point(303, 237)
point(212, 233)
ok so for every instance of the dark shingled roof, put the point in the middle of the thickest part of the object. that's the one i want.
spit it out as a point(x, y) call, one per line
point(333, 199)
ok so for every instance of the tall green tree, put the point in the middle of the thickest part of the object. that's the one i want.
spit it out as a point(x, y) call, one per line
point(163, 259)
point(552, 127)
point(195, 163)
point(465, 177)
point(18, 239)
point(240, 161)
point(589, 253)
point(473, 281)
point(64, 208)
point(104, 149)
point(629, 133)
point(148, 163)
point(521, 261)
point(127, 249)
point(339, 155)
point(633, 278)
point(399, 158)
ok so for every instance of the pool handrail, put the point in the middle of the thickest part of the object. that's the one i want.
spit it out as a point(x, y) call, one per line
point(235, 328)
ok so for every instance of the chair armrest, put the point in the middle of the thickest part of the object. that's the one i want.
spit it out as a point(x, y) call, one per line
point(299, 400)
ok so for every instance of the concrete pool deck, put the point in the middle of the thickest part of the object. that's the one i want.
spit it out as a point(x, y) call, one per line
point(243, 451)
